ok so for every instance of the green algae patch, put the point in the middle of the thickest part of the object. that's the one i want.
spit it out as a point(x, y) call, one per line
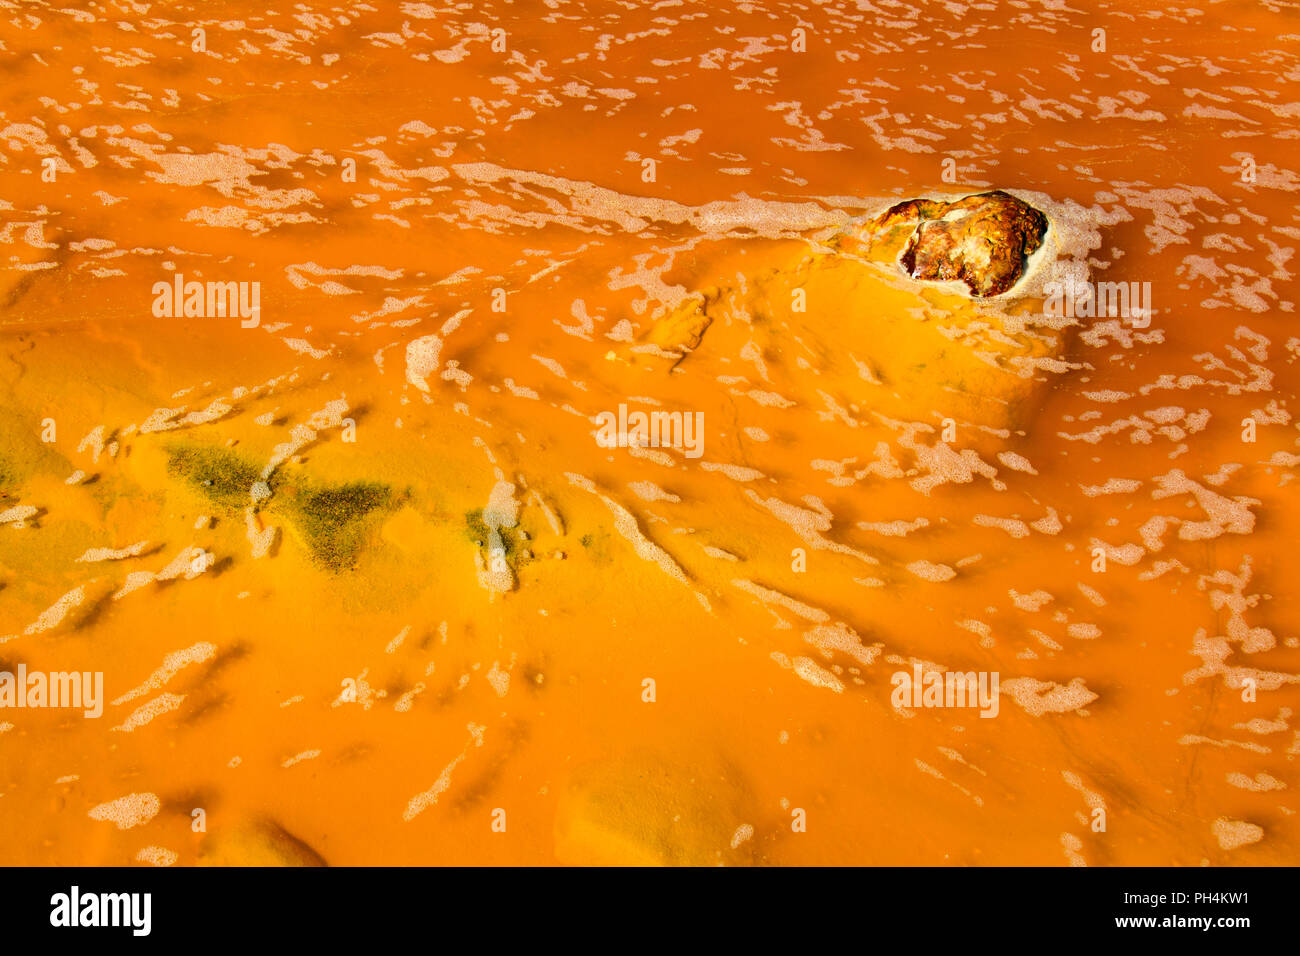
point(219, 474)
point(597, 547)
point(476, 528)
point(477, 531)
point(337, 522)
point(334, 522)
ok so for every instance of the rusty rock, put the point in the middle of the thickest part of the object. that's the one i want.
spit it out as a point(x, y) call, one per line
point(984, 240)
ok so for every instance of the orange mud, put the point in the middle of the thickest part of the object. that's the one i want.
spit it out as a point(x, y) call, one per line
point(379, 684)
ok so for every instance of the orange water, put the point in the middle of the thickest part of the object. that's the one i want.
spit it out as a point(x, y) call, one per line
point(521, 170)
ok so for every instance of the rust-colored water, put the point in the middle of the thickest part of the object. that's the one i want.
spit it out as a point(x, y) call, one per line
point(388, 691)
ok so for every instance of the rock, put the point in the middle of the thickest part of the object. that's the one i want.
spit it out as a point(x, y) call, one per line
point(984, 241)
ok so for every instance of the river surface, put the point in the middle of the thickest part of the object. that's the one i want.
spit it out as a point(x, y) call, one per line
point(365, 587)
